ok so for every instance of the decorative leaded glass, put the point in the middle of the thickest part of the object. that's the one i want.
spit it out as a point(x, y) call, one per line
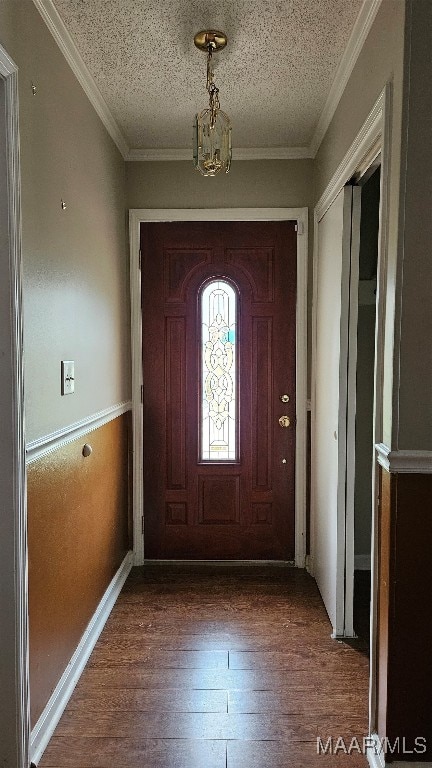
point(218, 381)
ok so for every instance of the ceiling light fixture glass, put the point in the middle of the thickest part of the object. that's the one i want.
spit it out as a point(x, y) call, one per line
point(212, 129)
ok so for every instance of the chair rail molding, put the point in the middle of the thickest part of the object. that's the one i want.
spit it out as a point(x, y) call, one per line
point(51, 442)
point(405, 462)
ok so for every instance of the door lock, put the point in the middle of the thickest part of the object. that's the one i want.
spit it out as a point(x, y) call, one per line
point(284, 398)
point(284, 421)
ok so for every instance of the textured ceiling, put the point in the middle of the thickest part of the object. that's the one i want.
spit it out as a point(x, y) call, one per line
point(274, 75)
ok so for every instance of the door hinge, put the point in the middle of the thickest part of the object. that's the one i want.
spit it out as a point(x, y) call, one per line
point(142, 523)
point(299, 228)
point(139, 259)
point(142, 394)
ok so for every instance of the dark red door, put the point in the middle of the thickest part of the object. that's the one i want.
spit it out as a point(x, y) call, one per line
point(219, 307)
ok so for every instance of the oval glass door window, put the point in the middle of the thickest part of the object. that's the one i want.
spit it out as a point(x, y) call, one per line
point(218, 422)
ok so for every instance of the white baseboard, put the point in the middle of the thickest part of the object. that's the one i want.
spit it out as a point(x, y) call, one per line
point(55, 707)
point(223, 563)
point(362, 562)
point(375, 756)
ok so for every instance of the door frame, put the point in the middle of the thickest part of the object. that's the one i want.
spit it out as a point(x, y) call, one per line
point(137, 216)
point(13, 570)
point(373, 139)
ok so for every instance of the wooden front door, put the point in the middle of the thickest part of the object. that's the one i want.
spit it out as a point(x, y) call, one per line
point(219, 308)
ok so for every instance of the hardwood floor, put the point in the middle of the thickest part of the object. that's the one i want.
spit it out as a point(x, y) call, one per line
point(215, 667)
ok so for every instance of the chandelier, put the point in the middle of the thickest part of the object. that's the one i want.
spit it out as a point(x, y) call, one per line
point(212, 128)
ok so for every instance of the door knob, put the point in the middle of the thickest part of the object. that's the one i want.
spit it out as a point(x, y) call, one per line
point(284, 421)
point(284, 398)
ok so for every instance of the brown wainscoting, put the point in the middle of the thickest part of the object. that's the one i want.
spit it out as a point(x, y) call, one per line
point(384, 527)
point(78, 535)
point(308, 481)
point(405, 614)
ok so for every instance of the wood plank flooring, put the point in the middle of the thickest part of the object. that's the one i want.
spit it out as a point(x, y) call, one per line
point(215, 667)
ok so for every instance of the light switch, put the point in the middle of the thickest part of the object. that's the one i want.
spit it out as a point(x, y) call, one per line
point(67, 377)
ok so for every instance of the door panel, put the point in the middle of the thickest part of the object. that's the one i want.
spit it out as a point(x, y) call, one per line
point(329, 430)
point(241, 509)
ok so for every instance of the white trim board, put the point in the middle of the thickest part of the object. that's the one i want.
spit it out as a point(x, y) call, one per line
point(347, 63)
point(375, 756)
point(404, 462)
point(136, 216)
point(48, 443)
point(55, 707)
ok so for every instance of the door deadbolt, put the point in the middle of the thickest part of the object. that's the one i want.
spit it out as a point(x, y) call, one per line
point(284, 398)
point(284, 421)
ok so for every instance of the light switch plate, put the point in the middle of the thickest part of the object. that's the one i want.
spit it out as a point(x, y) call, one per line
point(67, 377)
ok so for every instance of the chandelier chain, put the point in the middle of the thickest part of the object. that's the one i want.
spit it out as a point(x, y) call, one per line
point(213, 91)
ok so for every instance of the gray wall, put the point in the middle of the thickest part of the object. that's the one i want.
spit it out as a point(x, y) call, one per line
point(381, 60)
point(413, 356)
point(75, 261)
point(259, 184)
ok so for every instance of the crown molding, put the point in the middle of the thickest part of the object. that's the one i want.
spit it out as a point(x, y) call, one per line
point(359, 33)
point(67, 46)
point(158, 155)
point(406, 462)
point(69, 50)
point(272, 153)
point(7, 65)
point(245, 153)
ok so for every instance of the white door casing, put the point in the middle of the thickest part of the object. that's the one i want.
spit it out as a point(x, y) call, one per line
point(14, 674)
